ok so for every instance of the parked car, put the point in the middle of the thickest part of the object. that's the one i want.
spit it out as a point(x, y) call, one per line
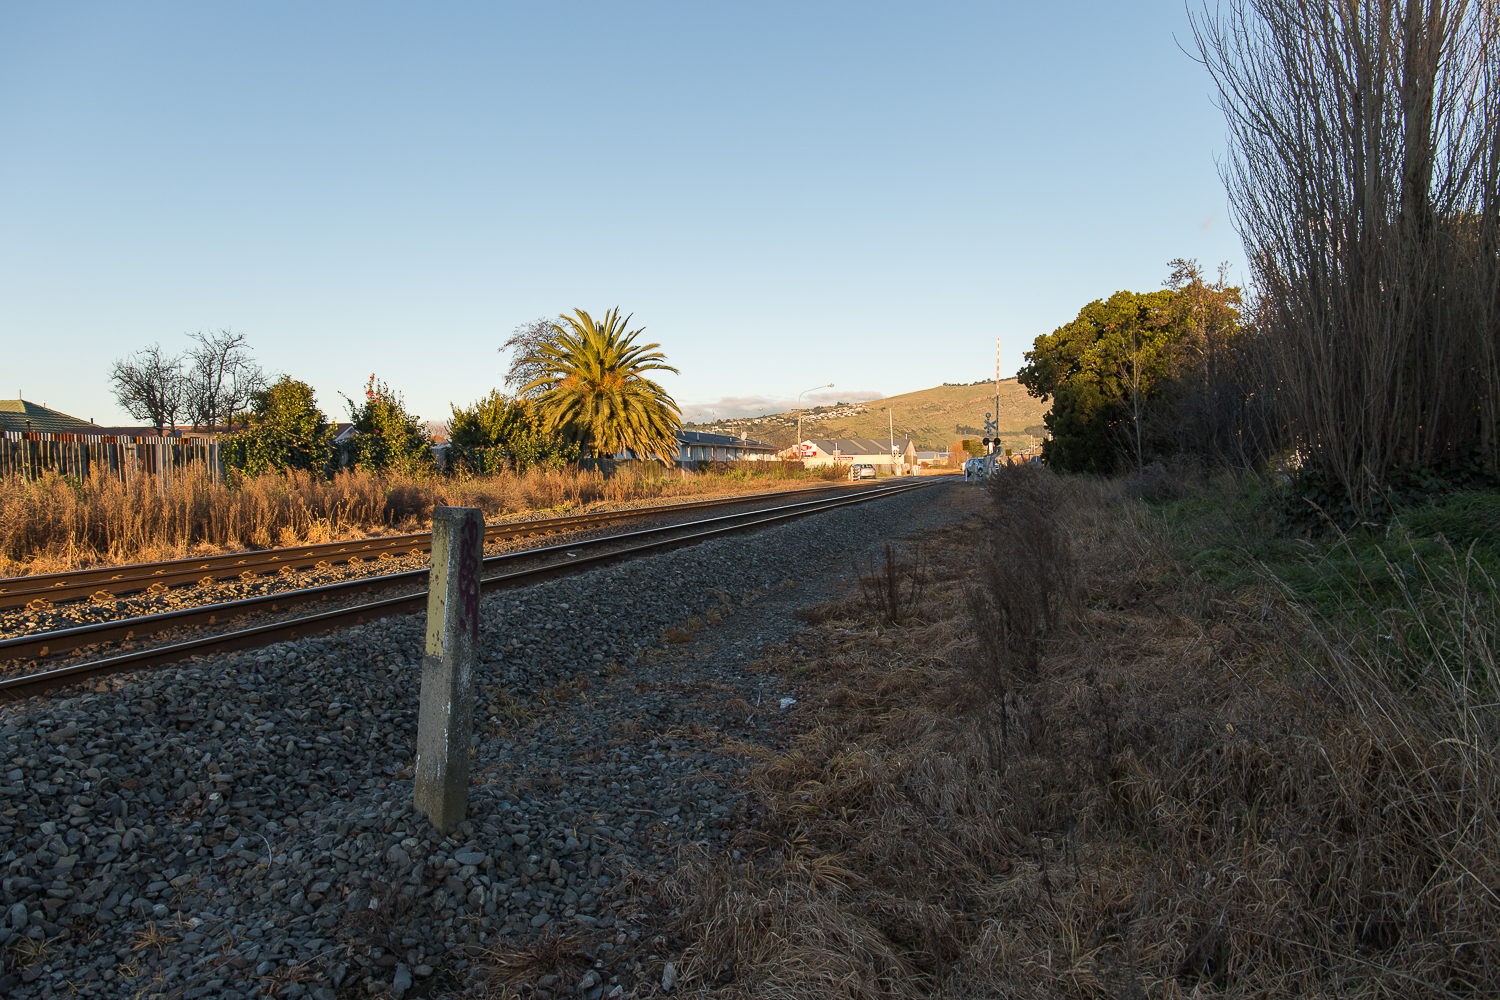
point(862, 470)
point(974, 468)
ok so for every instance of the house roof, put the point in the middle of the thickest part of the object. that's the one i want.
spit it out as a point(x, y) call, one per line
point(20, 415)
point(724, 440)
point(860, 446)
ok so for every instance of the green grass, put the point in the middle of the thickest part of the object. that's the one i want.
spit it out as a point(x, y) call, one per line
point(1418, 594)
point(1227, 533)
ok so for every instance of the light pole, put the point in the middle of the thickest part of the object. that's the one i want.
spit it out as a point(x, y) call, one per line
point(804, 392)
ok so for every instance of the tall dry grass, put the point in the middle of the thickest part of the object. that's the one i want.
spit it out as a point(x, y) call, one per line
point(1185, 793)
point(58, 523)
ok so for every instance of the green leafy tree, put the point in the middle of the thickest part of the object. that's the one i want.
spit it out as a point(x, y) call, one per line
point(591, 387)
point(1217, 403)
point(502, 432)
point(286, 431)
point(1101, 371)
point(386, 435)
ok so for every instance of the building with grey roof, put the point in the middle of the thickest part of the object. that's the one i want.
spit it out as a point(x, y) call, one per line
point(856, 451)
point(697, 446)
point(19, 415)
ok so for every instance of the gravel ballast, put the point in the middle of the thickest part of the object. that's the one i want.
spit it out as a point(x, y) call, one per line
point(242, 825)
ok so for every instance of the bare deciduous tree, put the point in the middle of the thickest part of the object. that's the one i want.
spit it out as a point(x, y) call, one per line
point(1365, 176)
point(150, 386)
point(221, 377)
point(525, 346)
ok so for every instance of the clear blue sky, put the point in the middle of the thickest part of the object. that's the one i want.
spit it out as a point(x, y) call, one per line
point(784, 194)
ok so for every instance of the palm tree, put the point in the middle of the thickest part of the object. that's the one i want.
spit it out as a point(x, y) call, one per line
point(591, 385)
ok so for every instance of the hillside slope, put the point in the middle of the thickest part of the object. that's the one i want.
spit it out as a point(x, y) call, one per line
point(934, 418)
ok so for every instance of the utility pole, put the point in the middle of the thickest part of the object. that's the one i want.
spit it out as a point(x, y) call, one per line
point(804, 392)
point(997, 386)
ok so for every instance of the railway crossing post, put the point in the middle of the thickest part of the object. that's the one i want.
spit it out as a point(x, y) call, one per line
point(445, 714)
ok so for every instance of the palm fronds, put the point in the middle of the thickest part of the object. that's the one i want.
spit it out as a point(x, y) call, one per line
point(592, 386)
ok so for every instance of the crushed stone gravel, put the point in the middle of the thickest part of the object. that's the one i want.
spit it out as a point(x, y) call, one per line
point(242, 825)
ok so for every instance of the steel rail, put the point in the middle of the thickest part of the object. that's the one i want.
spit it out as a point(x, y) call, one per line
point(77, 584)
point(291, 629)
point(43, 644)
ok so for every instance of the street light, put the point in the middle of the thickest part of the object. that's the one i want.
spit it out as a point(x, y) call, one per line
point(804, 392)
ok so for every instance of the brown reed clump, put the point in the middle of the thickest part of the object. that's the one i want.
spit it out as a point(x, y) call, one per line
point(1187, 793)
point(57, 523)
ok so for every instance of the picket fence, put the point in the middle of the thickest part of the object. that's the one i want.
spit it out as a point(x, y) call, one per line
point(32, 455)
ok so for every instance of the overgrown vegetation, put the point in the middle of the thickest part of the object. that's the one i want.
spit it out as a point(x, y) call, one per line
point(502, 433)
point(57, 523)
point(1193, 788)
point(1140, 376)
point(284, 430)
point(1365, 179)
point(1364, 174)
point(386, 435)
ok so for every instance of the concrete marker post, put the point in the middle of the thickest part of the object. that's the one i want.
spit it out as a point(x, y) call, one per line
point(445, 721)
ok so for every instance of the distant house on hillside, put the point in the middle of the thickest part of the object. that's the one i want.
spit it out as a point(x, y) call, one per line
point(18, 415)
point(860, 451)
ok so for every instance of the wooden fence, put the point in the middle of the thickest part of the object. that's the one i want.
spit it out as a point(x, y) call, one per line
point(33, 455)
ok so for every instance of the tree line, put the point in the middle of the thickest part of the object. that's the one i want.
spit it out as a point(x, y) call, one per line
point(580, 388)
point(209, 384)
point(1144, 375)
point(1364, 174)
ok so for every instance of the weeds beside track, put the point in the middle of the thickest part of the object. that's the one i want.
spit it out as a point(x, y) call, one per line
point(59, 523)
point(55, 587)
point(1064, 765)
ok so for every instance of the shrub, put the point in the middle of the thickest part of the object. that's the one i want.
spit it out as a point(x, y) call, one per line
point(386, 436)
point(501, 433)
point(286, 431)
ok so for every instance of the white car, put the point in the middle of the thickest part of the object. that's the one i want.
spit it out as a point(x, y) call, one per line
point(862, 470)
point(974, 468)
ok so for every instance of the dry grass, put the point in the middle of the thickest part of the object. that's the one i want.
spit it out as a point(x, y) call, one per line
point(59, 523)
point(1185, 793)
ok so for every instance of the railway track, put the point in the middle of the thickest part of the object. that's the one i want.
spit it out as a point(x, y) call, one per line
point(81, 584)
point(558, 560)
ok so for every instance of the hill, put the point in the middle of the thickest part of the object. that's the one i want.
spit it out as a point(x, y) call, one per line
point(934, 418)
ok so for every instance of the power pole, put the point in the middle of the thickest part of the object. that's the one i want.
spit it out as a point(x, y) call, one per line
point(997, 386)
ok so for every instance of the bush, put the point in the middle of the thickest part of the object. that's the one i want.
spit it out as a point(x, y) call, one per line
point(501, 433)
point(386, 436)
point(287, 431)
